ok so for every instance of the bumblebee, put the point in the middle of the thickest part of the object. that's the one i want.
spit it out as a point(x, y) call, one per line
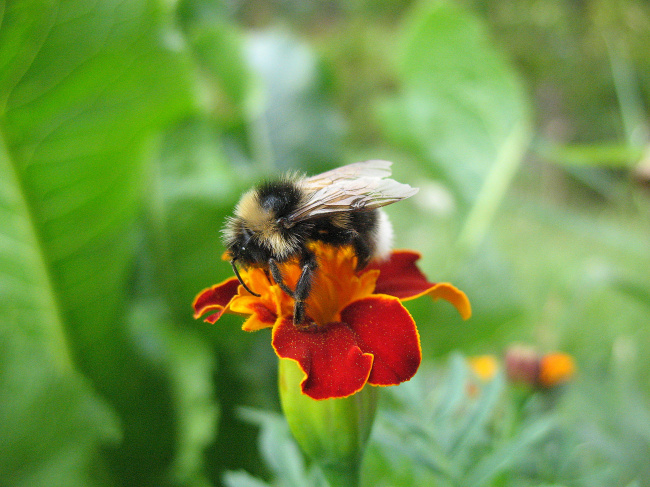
point(276, 221)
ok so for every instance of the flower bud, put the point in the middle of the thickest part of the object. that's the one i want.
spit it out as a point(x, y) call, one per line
point(522, 364)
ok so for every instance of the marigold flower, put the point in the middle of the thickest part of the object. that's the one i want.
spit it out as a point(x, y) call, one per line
point(556, 368)
point(363, 333)
point(526, 365)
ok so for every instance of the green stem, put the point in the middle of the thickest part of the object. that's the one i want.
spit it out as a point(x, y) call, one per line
point(487, 202)
point(340, 476)
point(332, 432)
point(628, 93)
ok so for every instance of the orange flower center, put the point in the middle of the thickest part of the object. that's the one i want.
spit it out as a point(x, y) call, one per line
point(335, 284)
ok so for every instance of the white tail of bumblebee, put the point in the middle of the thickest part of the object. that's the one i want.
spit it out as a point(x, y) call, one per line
point(384, 237)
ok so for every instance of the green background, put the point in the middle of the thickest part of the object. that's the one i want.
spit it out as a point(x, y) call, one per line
point(128, 130)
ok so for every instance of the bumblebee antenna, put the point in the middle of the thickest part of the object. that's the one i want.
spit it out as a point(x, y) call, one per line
point(234, 268)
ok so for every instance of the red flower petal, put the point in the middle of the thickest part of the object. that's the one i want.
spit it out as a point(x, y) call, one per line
point(385, 329)
point(215, 298)
point(333, 363)
point(399, 276)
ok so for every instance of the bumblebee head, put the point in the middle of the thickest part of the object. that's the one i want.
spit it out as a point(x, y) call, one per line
point(242, 247)
point(243, 244)
point(260, 228)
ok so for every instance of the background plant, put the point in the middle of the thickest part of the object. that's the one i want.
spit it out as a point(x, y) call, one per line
point(129, 129)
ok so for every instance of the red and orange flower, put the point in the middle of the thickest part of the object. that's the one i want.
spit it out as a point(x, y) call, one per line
point(363, 333)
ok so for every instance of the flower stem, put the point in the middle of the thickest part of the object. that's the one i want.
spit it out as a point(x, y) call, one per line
point(342, 476)
point(494, 188)
point(332, 432)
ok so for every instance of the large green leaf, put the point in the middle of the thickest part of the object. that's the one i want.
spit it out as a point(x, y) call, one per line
point(83, 86)
point(461, 108)
point(189, 365)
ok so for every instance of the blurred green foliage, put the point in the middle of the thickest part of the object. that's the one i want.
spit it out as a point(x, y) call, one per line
point(128, 130)
point(450, 427)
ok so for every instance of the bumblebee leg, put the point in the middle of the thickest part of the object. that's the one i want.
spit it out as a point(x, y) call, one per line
point(277, 277)
point(303, 287)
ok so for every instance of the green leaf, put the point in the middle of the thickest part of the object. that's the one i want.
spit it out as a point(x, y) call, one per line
point(609, 155)
point(506, 456)
point(52, 423)
point(633, 288)
point(193, 192)
point(420, 448)
point(470, 429)
point(219, 49)
point(217, 45)
point(84, 87)
point(281, 455)
point(278, 447)
point(242, 479)
point(460, 444)
point(189, 365)
point(75, 127)
point(461, 109)
point(454, 389)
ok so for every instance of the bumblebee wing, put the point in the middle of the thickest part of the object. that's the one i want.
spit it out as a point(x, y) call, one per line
point(365, 193)
point(371, 169)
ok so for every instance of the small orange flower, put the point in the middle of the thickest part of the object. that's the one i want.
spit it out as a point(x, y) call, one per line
point(363, 332)
point(556, 368)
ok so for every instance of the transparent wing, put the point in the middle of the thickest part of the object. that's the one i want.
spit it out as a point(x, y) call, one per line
point(361, 193)
point(371, 169)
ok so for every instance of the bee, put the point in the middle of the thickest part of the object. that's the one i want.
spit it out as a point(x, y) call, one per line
point(276, 221)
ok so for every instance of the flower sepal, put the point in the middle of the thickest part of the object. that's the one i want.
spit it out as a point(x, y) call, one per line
point(332, 432)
